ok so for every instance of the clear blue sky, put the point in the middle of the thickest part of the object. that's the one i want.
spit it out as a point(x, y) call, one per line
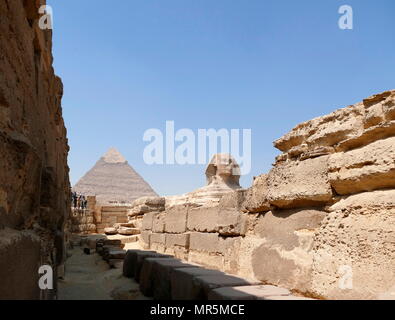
point(267, 65)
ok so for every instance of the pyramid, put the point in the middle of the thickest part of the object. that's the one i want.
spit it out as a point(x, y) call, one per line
point(113, 180)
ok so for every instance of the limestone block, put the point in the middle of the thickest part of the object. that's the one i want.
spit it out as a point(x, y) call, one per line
point(145, 205)
point(158, 247)
point(110, 231)
point(141, 256)
point(176, 219)
point(247, 293)
point(229, 248)
point(285, 258)
point(128, 231)
point(177, 252)
point(20, 279)
point(202, 285)
point(137, 222)
point(234, 199)
point(231, 222)
point(115, 254)
point(92, 243)
point(161, 276)
point(148, 220)
point(374, 115)
point(182, 282)
point(112, 242)
point(158, 238)
point(129, 265)
point(224, 220)
point(207, 259)
point(299, 183)
point(325, 131)
point(180, 240)
point(356, 240)
point(146, 276)
point(122, 219)
point(145, 239)
point(155, 202)
point(365, 169)
point(203, 219)
point(114, 210)
point(344, 129)
point(389, 107)
point(158, 223)
point(204, 242)
point(130, 239)
point(256, 197)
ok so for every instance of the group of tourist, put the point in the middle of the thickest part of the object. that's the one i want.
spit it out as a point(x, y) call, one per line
point(78, 201)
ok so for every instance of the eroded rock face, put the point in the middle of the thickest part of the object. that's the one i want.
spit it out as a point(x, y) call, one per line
point(34, 182)
point(299, 183)
point(147, 205)
point(286, 256)
point(256, 199)
point(306, 223)
point(367, 168)
point(342, 130)
point(354, 253)
point(348, 153)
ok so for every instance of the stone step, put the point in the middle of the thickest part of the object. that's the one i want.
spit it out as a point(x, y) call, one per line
point(110, 231)
point(128, 231)
point(126, 225)
point(182, 282)
point(202, 285)
point(141, 256)
point(116, 263)
point(155, 278)
point(262, 292)
point(129, 264)
point(114, 254)
point(166, 278)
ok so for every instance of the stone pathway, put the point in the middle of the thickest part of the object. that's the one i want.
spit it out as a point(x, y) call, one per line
point(88, 277)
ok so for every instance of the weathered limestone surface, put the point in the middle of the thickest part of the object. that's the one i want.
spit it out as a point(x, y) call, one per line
point(225, 221)
point(256, 199)
point(176, 219)
point(324, 210)
point(367, 168)
point(344, 129)
point(299, 183)
point(247, 293)
point(34, 183)
point(162, 270)
point(204, 284)
point(182, 287)
point(286, 256)
point(147, 204)
point(357, 236)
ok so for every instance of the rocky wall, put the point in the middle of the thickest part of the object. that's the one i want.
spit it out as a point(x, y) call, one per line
point(321, 222)
point(34, 176)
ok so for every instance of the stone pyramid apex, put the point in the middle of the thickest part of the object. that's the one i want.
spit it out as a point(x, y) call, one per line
point(112, 179)
point(113, 156)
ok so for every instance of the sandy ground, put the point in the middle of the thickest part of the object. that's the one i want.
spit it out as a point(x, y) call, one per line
point(88, 277)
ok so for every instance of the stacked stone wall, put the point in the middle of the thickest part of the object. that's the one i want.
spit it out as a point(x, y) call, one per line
point(321, 222)
point(34, 176)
